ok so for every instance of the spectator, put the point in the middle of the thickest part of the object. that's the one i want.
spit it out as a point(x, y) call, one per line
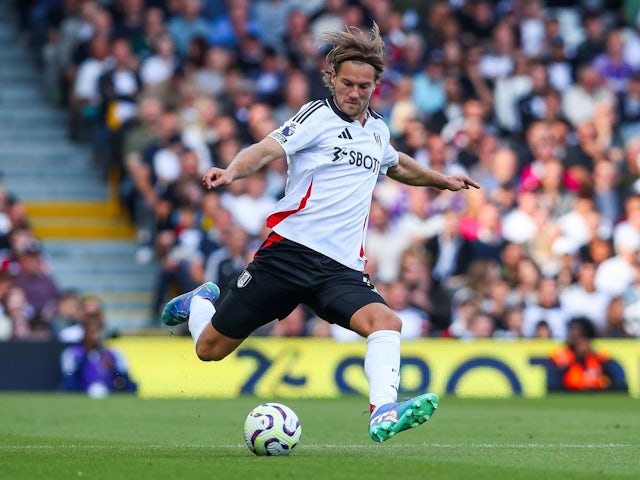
point(484, 232)
point(499, 61)
point(464, 308)
point(229, 30)
point(415, 322)
point(119, 88)
point(532, 106)
point(628, 108)
point(252, 206)
point(226, 263)
point(129, 19)
point(607, 195)
point(415, 274)
point(88, 306)
point(384, 244)
point(614, 275)
point(159, 67)
point(295, 37)
point(85, 101)
point(611, 64)
point(578, 225)
point(581, 158)
point(330, 17)
point(594, 42)
point(69, 312)
point(209, 79)
point(177, 249)
point(519, 225)
point(615, 319)
point(578, 367)
point(451, 253)
point(153, 27)
point(22, 316)
point(296, 94)
point(187, 24)
point(35, 279)
point(559, 66)
point(579, 100)
point(201, 135)
point(428, 85)
point(513, 320)
point(546, 307)
point(496, 301)
point(582, 299)
point(92, 368)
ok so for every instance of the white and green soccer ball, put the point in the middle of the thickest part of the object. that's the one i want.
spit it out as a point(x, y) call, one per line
point(272, 429)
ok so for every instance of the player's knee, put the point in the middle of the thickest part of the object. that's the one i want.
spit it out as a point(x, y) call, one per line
point(209, 352)
point(392, 322)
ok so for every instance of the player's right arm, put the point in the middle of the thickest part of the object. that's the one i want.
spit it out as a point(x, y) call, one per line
point(246, 162)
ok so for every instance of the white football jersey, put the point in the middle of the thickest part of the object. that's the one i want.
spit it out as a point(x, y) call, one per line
point(333, 166)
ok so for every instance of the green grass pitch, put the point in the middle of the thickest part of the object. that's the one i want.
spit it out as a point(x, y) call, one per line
point(56, 436)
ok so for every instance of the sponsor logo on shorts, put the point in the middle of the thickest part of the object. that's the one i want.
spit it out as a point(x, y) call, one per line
point(244, 278)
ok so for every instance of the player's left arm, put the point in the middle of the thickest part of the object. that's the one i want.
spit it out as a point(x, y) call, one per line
point(410, 172)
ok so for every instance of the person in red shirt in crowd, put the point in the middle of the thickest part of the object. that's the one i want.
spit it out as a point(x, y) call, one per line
point(578, 367)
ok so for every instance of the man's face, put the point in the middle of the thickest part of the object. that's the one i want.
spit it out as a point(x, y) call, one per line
point(353, 86)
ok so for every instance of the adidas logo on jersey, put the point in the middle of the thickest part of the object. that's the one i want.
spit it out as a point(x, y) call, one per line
point(346, 134)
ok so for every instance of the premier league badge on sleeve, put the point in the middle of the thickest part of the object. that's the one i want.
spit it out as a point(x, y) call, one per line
point(288, 129)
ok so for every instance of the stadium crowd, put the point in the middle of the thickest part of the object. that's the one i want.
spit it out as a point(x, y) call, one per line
point(538, 101)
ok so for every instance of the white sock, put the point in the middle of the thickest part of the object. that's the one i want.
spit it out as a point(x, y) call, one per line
point(200, 313)
point(382, 367)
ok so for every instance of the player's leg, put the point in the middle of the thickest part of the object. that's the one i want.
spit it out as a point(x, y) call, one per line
point(197, 308)
point(381, 327)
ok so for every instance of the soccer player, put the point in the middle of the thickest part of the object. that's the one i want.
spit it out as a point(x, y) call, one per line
point(315, 254)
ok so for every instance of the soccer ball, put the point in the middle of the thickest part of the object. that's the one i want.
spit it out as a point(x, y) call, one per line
point(272, 429)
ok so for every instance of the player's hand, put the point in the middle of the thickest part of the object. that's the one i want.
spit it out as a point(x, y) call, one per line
point(217, 177)
point(460, 182)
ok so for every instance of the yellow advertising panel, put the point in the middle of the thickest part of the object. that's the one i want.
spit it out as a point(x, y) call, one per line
point(324, 368)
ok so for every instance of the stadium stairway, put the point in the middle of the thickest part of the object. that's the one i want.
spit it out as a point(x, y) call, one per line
point(87, 237)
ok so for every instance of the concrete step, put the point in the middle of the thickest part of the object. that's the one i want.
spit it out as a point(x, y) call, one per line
point(72, 248)
point(44, 192)
point(79, 220)
point(57, 132)
point(22, 117)
point(16, 95)
point(82, 227)
point(21, 173)
point(59, 149)
point(116, 266)
point(40, 178)
point(137, 298)
point(55, 209)
point(137, 281)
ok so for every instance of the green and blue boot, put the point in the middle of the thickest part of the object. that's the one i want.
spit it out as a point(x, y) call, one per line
point(396, 417)
point(176, 311)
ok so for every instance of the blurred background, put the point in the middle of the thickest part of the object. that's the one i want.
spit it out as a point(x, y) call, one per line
point(111, 111)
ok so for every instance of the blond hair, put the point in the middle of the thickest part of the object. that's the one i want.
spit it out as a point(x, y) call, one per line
point(353, 45)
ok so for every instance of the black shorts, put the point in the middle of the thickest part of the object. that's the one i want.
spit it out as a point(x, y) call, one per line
point(284, 274)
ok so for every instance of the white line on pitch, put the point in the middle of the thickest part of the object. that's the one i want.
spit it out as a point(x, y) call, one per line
point(333, 447)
